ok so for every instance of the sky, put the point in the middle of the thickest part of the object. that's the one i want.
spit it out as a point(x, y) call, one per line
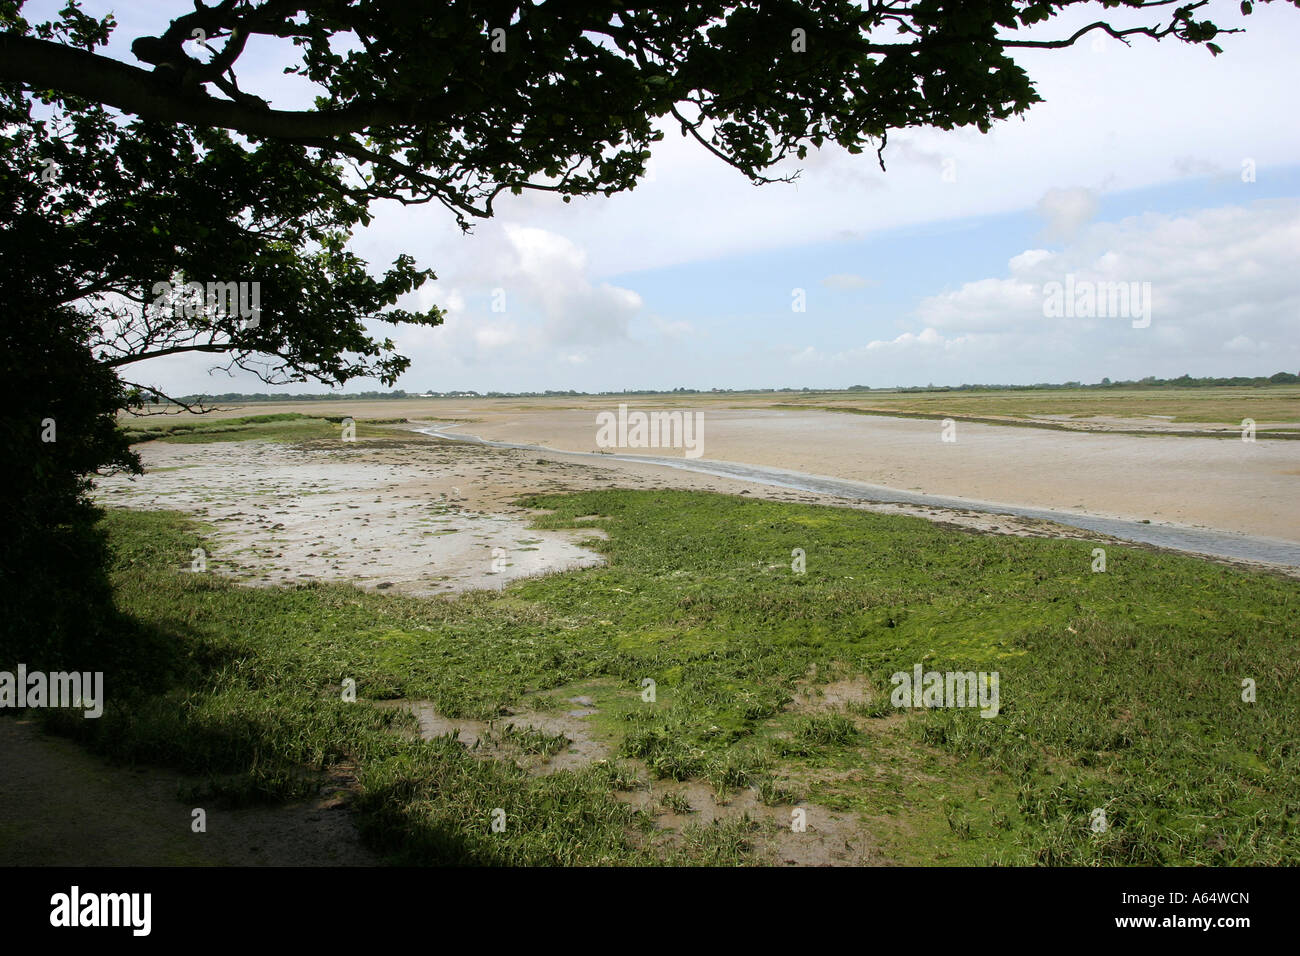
point(1155, 165)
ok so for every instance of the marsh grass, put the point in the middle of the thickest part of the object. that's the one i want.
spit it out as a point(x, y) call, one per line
point(281, 427)
point(1119, 690)
point(1210, 405)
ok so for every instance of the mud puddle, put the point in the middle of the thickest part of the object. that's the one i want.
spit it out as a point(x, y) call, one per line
point(539, 742)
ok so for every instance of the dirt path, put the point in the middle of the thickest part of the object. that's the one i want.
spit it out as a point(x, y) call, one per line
point(115, 816)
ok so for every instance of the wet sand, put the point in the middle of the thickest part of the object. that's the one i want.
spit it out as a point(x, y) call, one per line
point(1217, 483)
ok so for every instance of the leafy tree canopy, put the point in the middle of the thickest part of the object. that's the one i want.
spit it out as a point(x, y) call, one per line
point(458, 101)
point(99, 213)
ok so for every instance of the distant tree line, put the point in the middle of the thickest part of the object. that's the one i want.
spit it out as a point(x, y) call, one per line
point(1183, 381)
point(241, 398)
point(304, 397)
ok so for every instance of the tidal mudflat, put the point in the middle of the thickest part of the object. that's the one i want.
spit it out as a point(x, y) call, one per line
point(1219, 483)
point(420, 514)
point(694, 668)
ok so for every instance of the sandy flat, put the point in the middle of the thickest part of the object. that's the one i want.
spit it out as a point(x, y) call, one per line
point(364, 512)
point(1219, 483)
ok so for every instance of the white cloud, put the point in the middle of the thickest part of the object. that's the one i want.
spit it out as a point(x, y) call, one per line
point(984, 304)
point(522, 286)
point(551, 272)
point(929, 338)
point(1220, 278)
point(454, 302)
point(1028, 259)
point(495, 337)
point(1066, 211)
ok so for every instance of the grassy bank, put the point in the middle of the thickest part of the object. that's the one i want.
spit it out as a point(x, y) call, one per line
point(1119, 690)
point(1226, 406)
point(1270, 406)
point(283, 427)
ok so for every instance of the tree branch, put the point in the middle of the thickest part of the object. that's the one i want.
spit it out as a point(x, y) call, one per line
point(43, 65)
point(129, 359)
